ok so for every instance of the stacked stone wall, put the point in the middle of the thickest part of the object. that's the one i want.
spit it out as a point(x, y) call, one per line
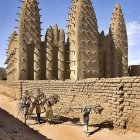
point(120, 98)
point(10, 89)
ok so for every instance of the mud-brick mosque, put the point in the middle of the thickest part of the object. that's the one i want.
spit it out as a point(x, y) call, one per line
point(87, 53)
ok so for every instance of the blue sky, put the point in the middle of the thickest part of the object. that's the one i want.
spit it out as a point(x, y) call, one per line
point(56, 11)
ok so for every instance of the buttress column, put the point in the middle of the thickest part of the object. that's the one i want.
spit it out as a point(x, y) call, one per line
point(49, 54)
point(61, 55)
point(29, 35)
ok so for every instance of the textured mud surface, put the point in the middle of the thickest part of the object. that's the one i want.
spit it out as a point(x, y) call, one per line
point(15, 129)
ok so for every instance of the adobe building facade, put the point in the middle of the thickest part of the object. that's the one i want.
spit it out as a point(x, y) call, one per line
point(86, 53)
point(12, 57)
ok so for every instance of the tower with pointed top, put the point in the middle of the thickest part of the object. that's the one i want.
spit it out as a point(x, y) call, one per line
point(61, 56)
point(29, 42)
point(83, 40)
point(119, 43)
point(55, 53)
point(105, 56)
point(86, 54)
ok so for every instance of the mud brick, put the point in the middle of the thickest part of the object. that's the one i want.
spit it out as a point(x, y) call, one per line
point(122, 123)
point(129, 92)
point(120, 99)
point(128, 107)
point(138, 108)
point(125, 110)
point(117, 110)
point(126, 96)
point(114, 113)
point(126, 103)
point(120, 93)
point(114, 99)
point(136, 88)
point(138, 96)
point(132, 96)
point(137, 81)
point(128, 84)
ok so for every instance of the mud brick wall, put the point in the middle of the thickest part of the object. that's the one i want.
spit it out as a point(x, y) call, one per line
point(120, 98)
point(10, 89)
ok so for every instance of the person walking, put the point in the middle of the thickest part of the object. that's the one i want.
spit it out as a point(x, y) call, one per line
point(26, 102)
point(86, 113)
point(49, 112)
point(38, 111)
point(38, 106)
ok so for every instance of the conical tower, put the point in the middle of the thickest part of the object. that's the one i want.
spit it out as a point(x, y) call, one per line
point(119, 42)
point(83, 38)
point(29, 36)
point(55, 53)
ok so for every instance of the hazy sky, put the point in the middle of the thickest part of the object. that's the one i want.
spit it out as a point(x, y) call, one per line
point(56, 11)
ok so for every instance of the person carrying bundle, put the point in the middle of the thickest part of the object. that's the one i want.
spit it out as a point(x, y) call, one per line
point(52, 100)
point(49, 112)
point(86, 113)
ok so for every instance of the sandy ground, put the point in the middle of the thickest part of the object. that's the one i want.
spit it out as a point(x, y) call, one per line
point(13, 129)
point(64, 131)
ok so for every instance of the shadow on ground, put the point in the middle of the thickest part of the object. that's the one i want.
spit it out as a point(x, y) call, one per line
point(58, 120)
point(62, 119)
point(105, 124)
point(16, 129)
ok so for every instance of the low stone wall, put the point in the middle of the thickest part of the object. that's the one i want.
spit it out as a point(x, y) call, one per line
point(10, 89)
point(120, 98)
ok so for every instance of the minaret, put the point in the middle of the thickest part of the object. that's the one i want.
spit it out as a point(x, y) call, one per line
point(83, 38)
point(29, 35)
point(118, 35)
point(55, 53)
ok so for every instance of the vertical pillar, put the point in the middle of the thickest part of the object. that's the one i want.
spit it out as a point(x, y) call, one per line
point(49, 54)
point(55, 51)
point(108, 57)
point(22, 61)
point(61, 56)
point(29, 33)
point(37, 62)
point(118, 106)
point(116, 64)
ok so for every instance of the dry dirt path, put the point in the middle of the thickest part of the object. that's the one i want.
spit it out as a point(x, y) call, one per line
point(13, 129)
point(61, 131)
